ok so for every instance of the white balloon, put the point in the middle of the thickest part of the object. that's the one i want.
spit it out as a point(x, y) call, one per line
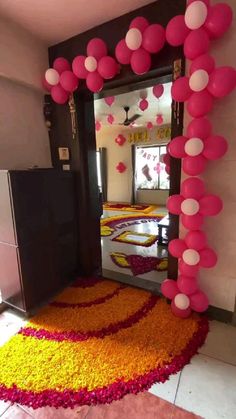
point(190, 206)
point(195, 15)
point(52, 76)
point(191, 257)
point(193, 147)
point(133, 39)
point(90, 64)
point(199, 80)
point(182, 301)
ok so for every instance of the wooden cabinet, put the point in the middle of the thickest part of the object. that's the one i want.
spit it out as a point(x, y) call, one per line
point(38, 241)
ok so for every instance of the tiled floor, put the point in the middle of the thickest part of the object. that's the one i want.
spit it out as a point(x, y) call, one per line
point(206, 387)
point(109, 246)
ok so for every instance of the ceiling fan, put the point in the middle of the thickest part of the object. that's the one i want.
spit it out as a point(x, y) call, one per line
point(128, 120)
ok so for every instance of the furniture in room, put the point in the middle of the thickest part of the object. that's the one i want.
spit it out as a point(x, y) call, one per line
point(38, 242)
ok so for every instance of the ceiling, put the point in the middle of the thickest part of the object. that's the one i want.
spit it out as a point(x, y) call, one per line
point(132, 99)
point(54, 21)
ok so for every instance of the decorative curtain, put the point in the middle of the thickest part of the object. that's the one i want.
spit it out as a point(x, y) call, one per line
point(133, 190)
point(103, 165)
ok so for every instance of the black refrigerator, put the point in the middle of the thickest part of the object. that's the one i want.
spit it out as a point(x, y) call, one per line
point(38, 235)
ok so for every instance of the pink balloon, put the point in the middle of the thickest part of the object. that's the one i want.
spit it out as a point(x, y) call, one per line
point(210, 205)
point(140, 61)
point(180, 90)
point(94, 82)
point(207, 2)
point(183, 314)
point(96, 48)
point(218, 20)
point(166, 159)
point(107, 67)
point(109, 100)
point(215, 147)
point(159, 119)
point(199, 128)
point(61, 64)
point(46, 86)
point(196, 239)
point(78, 67)
point(196, 43)
point(188, 270)
point(167, 169)
point(177, 31)
point(203, 62)
point(110, 119)
point(140, 23)
point(158, 90)
point(169, 288)
point(149, 125)
point(222, 81)
point(208, 258)
point(59, 95)
point(199, 302)
point(143, 105)
point(194, 166)
point(176, 147)
point(153, 38)
point(187, 284)
point(192, 222)
point(98, 126)
point(199, 104)
point(69, 81)
point(176, 247)
point(123, 53)
point(174, 204)
point(193, 188)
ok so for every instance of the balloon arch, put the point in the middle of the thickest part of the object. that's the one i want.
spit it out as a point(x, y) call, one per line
point(205, 82)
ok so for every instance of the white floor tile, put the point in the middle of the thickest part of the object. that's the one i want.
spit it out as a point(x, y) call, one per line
point(207, 388)
point(221, 342)
point(167, 390)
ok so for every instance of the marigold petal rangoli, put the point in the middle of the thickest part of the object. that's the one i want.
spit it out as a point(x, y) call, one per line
point(131, 340)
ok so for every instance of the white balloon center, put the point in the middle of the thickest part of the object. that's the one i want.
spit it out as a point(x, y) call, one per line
point(195, 15)
point(133, 39)
point(191, 257)
point(182, 301)
point(52, 76)
point(90, 64)
point(199, 80)
point(193, 147)
point(190, 206)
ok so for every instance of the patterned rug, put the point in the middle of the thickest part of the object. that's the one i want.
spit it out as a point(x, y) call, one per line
point(94, 344)
point(138, 264)
point(133, 208)
point(111, 224)
point(138, 239)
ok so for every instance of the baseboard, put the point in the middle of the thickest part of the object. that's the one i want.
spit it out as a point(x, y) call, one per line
point(216, 313)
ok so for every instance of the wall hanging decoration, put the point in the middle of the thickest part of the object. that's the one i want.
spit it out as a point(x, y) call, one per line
point(204, 83)
point(138, 137)
point(159, 119)
point(121, 167)
point(98, 125)
point(149, 125)
point(109, 100)
point(143, 104)
point(141, 40)
point(120, 140)
point(158, 90)
point(110, 119)
point(163, 133)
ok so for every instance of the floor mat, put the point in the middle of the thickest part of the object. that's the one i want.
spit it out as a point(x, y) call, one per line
point(127, 207)
point(111, 224)
point(138, 239)
point(94, 344)
point(138, 264)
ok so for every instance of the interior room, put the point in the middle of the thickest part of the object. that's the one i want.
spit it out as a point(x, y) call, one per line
point(132, 132)
point(117, 209)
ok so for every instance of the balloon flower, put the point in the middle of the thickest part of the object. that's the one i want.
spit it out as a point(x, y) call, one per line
point(142, 39)
point(196, 150)
point(120, 140)
point(203, 85)
point(185, 296)
point(60, 80)
point(96, 66)
point(193, 203)
point(121, 167)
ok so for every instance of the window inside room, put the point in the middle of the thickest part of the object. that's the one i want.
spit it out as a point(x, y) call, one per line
point(149, 168)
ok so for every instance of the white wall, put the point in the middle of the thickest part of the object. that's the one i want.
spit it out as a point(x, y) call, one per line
point(24, 138)
point(120, 184)
point(219, 283)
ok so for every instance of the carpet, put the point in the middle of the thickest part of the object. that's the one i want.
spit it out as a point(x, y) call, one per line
point(111, 224)
point(137, 239)
point(146, 209)
point(138, 264)
point(94, 344)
